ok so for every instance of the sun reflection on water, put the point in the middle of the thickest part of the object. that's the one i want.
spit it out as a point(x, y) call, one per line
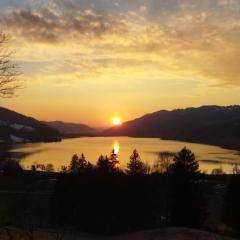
point(116, 147)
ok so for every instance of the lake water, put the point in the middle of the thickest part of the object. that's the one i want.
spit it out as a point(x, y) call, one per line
point(60, 153)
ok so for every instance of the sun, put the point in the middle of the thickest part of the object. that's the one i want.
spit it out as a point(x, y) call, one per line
point(116, 121)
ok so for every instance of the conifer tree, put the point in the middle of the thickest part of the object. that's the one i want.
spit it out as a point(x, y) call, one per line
point(114, 161)
point(82, 163)
point(184, 162)
point(73, 167)
point(104, 164)
point(188, 201)
point(135, 165)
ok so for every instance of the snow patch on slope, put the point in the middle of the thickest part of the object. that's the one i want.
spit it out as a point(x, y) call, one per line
point(15, 139)
point(22, 127)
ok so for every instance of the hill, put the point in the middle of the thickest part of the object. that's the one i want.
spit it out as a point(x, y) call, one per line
point(71, 129)
point(17, 128)
point(214, 125)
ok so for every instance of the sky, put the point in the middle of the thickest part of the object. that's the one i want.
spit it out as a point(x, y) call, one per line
point(86, 61)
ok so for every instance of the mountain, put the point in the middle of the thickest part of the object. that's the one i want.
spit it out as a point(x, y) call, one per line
point(214, 125)
point(17, 128)
point(71, 129)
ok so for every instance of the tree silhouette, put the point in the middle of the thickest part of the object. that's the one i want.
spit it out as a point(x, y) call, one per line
point(218, 171)
point(184, 162)
point(73, 167)
point(104, 164)
point(236, 169)
point(8, 71)
point(64, 169)
point(162, 165)
point(82, 162)
point(135, 165)
point(187, 199)
point(114, 161)
point(49, 167)
point(79, 164)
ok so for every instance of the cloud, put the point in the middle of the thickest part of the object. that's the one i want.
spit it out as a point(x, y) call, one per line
point(107, 39)
point(49, 26)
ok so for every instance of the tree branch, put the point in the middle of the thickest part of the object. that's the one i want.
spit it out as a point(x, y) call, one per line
point(9, 72)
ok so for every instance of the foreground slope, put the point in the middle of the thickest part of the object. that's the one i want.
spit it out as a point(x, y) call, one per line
point(160, 234)
point(173, 234)
point(208, 124)
point(17, 128)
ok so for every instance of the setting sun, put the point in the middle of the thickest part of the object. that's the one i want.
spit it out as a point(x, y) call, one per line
point(116, 121)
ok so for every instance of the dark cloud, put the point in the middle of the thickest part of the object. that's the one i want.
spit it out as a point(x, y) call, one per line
point(50, 26)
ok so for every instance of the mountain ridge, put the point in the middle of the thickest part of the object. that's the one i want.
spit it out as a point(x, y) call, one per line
point(18, 128)
point(212, 124)
point(209, 124)
point(71, 129)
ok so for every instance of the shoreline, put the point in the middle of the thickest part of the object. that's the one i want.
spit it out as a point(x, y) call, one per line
point(235, 147)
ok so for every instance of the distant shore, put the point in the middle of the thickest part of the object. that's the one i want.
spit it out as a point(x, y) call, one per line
point(229, 146)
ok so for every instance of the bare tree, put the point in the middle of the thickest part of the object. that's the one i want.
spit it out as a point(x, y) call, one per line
point(163, 162)
point(49, 167)
point(236, 169)
point(9, 82)
point(218, 171)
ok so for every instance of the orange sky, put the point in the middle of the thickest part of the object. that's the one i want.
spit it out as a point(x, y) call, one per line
point(87, 61)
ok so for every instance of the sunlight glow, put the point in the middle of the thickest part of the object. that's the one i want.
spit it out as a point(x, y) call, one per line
point(116, 121)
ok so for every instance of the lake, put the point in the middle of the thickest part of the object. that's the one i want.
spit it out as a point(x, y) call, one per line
point(60, 153)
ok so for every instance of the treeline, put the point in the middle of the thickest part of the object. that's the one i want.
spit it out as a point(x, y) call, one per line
point(104, 199)
point(107, 164)
point(110, 164)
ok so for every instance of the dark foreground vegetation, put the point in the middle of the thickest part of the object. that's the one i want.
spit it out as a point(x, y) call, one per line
point(106, 200)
